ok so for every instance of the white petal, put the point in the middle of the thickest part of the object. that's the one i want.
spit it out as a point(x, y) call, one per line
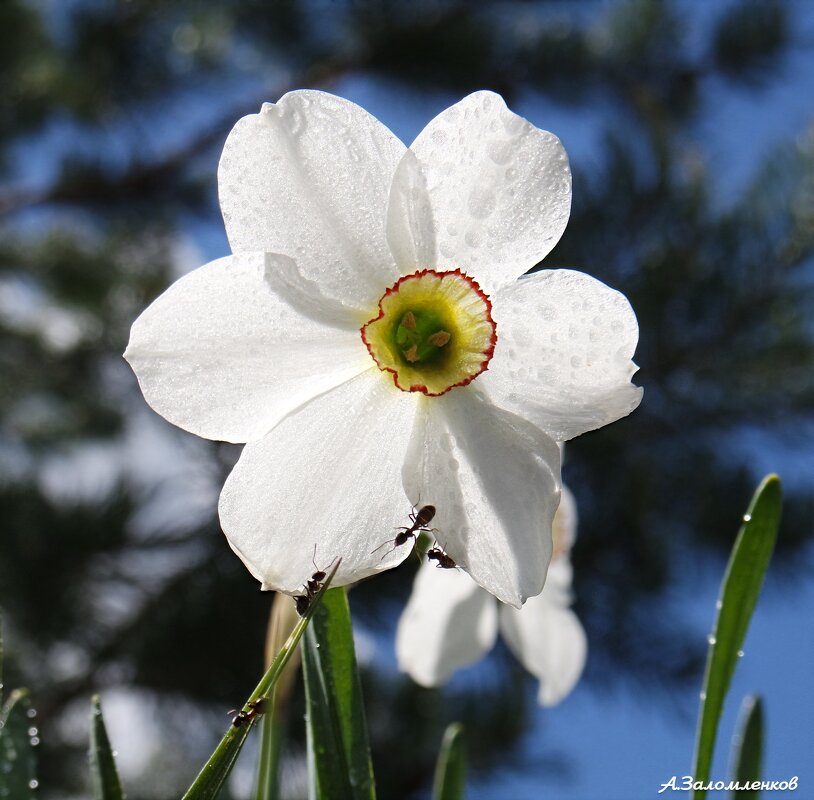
point(327, 475)
point(410, 223)
point(564, 350)
point(448, 623)
point(224, 355)
point(564, 528)
point(558, 580)
point(309, 177)
point(306, 296)
point(500, 189)
point(495, 482)
point(548, 639)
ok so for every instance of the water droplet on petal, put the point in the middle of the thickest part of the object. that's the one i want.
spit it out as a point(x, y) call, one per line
point(500, 150)
point(473, 237)
point(711, 639)
point(482, 200)
point(747, 517)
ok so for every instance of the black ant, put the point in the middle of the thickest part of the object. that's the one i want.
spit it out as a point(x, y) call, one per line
point(256, 707)
point(420, 520)
point(444, 561)
point(312, 586)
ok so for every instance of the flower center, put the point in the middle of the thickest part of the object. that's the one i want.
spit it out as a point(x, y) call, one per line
point(434, 331)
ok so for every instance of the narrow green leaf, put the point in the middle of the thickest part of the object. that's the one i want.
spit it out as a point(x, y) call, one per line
point(274, 727)
point(103, 775)
point(747, 747)
point(272, 731)
point(214, 773)
point(18, 777)
point(739, 592)
point(450, 770)
point(338, 750)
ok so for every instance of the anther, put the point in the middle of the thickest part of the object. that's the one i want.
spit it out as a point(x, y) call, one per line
point(439, 339)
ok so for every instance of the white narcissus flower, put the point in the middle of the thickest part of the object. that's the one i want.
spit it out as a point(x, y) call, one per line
point(450, 622)
point(346, 341)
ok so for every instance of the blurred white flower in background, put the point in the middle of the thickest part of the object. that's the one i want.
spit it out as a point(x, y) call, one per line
point(347, 341)
point(450, 622)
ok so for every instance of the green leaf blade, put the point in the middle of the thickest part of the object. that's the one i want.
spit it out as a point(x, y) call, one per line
point(17, 763)
point(739, 592)
point(339, 753)
point(747, 747)
point(450, 770)
point(209, 782)
point(271, 738)
point(103, 774)
point(274, 727)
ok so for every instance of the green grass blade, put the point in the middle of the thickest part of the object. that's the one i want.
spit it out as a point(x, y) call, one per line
point(747, 747)
point(338, 750)
point(450, 770)
point(214, 773)
point(103, 775)
point(17, 765)
point(739, 592)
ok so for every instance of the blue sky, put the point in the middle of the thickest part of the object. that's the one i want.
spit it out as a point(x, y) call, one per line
point(624, 746)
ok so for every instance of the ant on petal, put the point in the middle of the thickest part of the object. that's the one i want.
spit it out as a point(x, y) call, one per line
point(420, 519)
point(444, 561)
point(312, 586)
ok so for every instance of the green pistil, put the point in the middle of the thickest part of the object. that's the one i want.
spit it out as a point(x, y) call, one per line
point(421, 337)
